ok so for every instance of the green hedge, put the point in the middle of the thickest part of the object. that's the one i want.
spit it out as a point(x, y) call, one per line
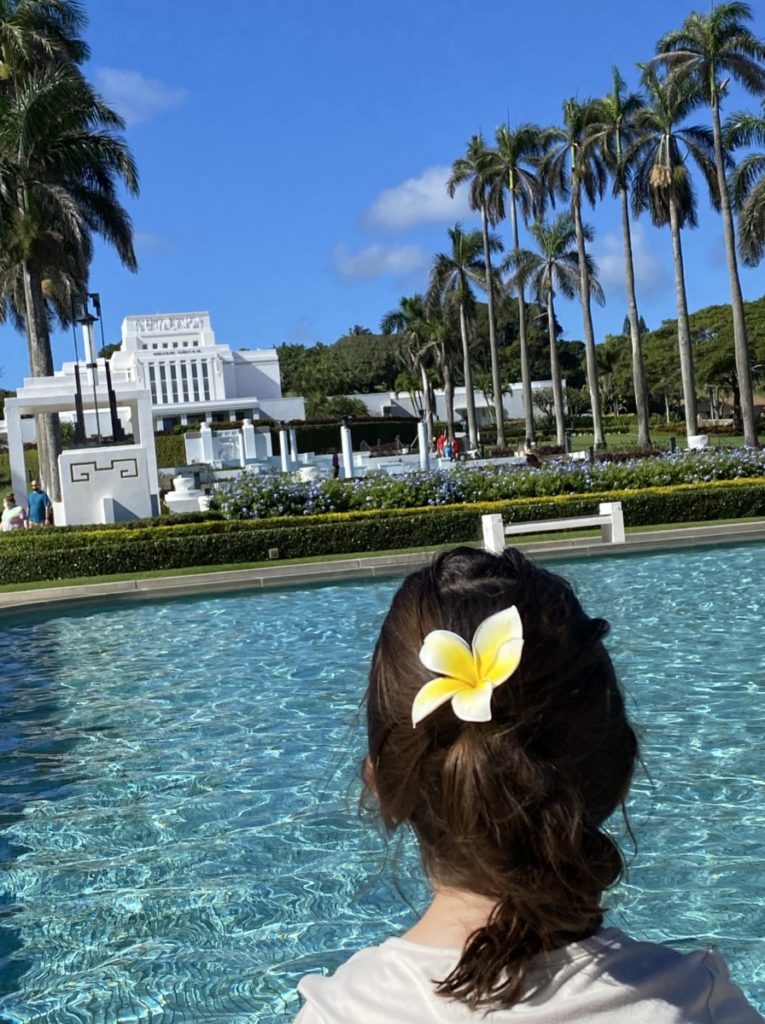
point(66, 554)
point(171, 450)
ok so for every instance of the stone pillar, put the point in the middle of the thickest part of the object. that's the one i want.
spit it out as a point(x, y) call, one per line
point(347, 448)
point(248, 441)
point(143, 427)
point(284, 451)
point(207, 443)
point(16, 451)
point(422, 443)
point(293, 445)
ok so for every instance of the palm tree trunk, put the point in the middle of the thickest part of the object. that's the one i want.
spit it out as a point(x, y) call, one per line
point(683, 325)
point(740, 340)
point(449, 398)
point(428, 406)
point(560, 422)
point(47, 425)
point(496, 383)
point(528, 406)
point(468, 374)
point(638, 370)
point(589, 333)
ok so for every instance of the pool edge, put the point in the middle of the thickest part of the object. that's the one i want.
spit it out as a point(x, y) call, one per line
point(361, 567)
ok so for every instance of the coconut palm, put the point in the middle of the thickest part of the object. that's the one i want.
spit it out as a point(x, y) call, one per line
point(617, 133)
point(410, 322)
point(472, 168)
point(660, 161)
point(574, 167)
point(61, 163)
point(744, 129)
point(554, 268)
point(452, 277)
point(511, 169)
point(707, 52)
point(443, 318)
point(34, 34)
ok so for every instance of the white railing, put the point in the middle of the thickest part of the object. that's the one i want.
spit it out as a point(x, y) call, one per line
point(610, 520)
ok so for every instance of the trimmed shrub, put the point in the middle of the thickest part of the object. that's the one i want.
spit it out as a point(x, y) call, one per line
point(33, 555)
point(171, 450)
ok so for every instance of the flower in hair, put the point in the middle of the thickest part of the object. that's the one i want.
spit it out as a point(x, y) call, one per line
point(468, 675)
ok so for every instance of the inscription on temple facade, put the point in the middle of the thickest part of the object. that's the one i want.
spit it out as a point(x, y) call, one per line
point(159, 324)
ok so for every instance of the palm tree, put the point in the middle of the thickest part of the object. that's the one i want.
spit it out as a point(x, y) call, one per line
point(472, 167)
point(708, 51)
point(662, 184)
point(574, 166)
point(511, 168)
point(410, 321)
point(36, 34)
point(451, 277)
point(743, 130)
point(617, 134)
point(443, 318)
point(61, 162)
point(554, 268)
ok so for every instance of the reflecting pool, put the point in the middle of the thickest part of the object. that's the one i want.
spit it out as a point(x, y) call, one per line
point(179, 835)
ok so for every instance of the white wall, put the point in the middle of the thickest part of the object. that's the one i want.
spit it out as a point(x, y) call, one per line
point(103, 485)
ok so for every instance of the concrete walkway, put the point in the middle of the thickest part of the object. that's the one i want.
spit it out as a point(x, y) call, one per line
point(360, 567)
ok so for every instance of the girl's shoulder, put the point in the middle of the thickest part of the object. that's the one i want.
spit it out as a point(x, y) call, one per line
point(608, 979)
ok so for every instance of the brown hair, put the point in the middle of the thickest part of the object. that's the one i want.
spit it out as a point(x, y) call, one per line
point(510, 809)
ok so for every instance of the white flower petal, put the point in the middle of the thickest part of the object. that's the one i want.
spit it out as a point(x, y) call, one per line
point(432, 695)
point(447, 654)
point(473, 705)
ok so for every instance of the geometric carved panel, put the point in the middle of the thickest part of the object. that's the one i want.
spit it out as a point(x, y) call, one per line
point(80, 472)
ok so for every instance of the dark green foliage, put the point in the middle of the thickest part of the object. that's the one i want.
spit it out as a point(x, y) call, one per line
point(35, 555)
point(355, 364)
point(171, 450)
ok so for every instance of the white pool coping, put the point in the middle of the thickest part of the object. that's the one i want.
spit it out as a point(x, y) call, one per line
point(359, 567)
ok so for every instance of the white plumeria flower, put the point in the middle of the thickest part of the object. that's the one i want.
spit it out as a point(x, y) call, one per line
point(468, 675)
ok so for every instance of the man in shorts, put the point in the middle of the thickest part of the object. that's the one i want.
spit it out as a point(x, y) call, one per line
point(40, 507)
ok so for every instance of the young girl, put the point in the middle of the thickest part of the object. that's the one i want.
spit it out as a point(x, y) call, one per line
point(498, 734)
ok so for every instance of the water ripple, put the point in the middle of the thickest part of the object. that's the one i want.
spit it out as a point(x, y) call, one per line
point(179, 840)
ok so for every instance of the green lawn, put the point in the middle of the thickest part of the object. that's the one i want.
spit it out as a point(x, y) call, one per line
point(205, 569)
point(624, 442)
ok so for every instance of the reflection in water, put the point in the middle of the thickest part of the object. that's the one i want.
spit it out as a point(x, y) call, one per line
point(179, 791)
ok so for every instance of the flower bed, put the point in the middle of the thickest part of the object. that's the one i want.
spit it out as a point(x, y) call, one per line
point(266, 496)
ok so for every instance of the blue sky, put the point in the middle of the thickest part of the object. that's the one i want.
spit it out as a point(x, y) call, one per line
point(293, 154)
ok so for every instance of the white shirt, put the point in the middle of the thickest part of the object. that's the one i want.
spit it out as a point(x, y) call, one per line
point(608, 979)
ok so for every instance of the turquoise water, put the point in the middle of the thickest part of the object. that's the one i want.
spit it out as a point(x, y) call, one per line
point(180, 840)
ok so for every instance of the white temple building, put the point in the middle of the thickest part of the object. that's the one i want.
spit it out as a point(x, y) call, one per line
point(193, 379)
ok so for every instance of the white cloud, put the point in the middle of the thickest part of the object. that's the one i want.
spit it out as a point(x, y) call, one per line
point(134, 96)
point(149, 240)
point(419, 201)
point(652, 277)
point(378, 260)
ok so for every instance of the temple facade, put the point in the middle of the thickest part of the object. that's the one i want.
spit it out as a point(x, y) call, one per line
point(194, 379)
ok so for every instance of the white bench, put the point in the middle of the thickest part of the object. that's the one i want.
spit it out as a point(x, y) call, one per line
point(610, 520)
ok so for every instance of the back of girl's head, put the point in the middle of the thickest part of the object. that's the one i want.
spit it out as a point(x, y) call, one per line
point(512, 808)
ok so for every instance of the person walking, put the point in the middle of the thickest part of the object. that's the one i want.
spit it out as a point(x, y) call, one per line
point(40, 506)
point(14, 517)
